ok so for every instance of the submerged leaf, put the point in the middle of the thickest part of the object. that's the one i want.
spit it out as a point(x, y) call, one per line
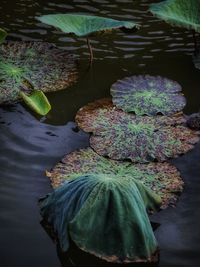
point(83, 25)
point(43, 65)
point(37, 101)
point(162, 178)
point(3, 35)
point(105, 216)
point(183, 13)
point(148, 95)
point(120, 135)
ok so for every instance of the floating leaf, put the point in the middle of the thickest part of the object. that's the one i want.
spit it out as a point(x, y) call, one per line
point(162, 178)
point(37, 101)
point(148, 95)
point(120, 135)
point(183, 13)
point(193, 121)
point(105, 216)
point(3, 35)
point(43, 65)
point(83, 25)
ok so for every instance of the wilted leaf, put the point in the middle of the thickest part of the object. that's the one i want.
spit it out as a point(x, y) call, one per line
point(105, 216)
point(162, 178)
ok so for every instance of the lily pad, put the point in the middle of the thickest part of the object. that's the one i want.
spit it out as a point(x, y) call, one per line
point(148, 95)
point(182, 13)
point(162, 178)
point(105, 216)
point(37, 101)
point(84, 25)
point(3, 35)
point(120, 135)
point(42, 65)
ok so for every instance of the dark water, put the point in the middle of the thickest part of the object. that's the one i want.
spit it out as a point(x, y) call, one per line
point(29, 145)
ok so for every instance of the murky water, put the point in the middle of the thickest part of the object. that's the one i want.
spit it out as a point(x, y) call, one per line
point(29, 146)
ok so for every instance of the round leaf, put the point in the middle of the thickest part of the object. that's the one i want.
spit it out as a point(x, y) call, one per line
point(25, 66)
point(162, 178)
point(83, 25)
point(120, 135)
point(148, 95)
point(182, 13)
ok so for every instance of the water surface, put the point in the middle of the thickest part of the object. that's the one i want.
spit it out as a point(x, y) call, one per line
point(30, 145)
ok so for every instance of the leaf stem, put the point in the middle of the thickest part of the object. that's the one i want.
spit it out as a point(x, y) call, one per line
point(195, 43)
point(90, 50)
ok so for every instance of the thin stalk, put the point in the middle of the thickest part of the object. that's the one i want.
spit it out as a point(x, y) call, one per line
point(90, 50)
point(195, 43)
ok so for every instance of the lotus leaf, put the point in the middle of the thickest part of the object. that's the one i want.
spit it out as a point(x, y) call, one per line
point(162, 178)
point(120, 135)
point(105, 216)
point(148, 95)
point(41, 65)
point(3, 35)
point(183, 13)
point(83, 25)
point(37, 101)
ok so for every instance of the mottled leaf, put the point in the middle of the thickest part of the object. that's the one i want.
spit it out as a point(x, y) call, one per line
point(193, 121)
point(37, 101)
point(83, 25)
point(120, 135)
point(105, 216)
point(162, 178)
point(42, 65)
point(148, 95)
point(183, 13)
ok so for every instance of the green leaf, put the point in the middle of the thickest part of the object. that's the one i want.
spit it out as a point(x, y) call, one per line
point(162, 178)
point(3, 35)
point(37, 101)
point(83, 25)
point(182, 13)
point(104, 215)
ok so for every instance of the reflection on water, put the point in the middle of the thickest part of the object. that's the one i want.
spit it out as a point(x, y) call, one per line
point(29, 146)
point(78, 258)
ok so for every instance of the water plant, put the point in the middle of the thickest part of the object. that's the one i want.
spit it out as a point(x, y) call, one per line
point(120, 135)
point(84, 25)
point(29, 67)
point(148, 95)
point(162, 178)
point(181, 13)
point(105, 216)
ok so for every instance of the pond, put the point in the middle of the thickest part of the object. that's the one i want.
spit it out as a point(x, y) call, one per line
point(30, 145)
